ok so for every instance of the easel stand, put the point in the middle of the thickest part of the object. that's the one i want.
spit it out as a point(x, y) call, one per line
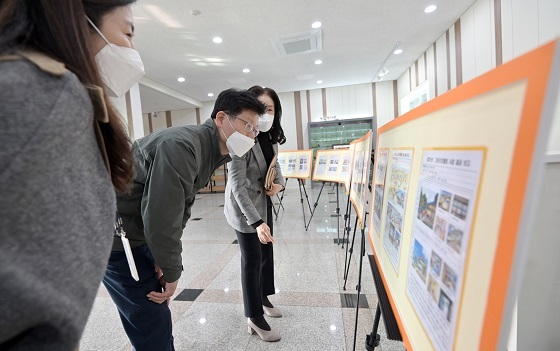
point(302, 185)
point(359, 286)
point(348, 257)
point(276, 213)
point(346, 219)
point(315, 206)
point(373, 339)
point(337, 216)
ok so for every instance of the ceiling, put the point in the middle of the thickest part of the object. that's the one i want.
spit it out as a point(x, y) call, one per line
point(358, 37)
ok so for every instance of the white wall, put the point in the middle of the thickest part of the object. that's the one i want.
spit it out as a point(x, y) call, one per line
point(287, 101)
point(183, 117)
point(159, 122)
point(526, 24)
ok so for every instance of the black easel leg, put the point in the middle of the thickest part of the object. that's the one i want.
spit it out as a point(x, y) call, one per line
point(306, 197)
point(359, 286)
point(347, 267)
point(373, 339)
point(315, 206)
point(281, 198)
point(337, 217)
point(346, 220)
point(301, 200)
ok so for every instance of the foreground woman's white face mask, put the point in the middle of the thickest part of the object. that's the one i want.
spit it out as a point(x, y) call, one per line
point(120, 67)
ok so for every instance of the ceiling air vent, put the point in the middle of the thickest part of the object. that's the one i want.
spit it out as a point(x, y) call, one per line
point(298, 43)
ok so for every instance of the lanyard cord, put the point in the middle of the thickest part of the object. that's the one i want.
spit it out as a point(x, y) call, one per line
point(119, 230)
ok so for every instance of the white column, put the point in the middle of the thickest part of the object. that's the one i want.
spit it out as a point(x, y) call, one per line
point(130, 109)
point(135, 113)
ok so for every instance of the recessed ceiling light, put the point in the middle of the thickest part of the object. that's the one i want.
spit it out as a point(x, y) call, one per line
point(397, 52)
point(210, 94)
point(319, 82)
point(181, 79)
point(318, 62)
point(246, 70)
point(316, 25)
point(430, 9)
point(217, 40)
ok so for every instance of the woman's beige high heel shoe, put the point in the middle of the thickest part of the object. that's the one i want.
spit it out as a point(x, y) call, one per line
point(265, 335)
point(272, 312)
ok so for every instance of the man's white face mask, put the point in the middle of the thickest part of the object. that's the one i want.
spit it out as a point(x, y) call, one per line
point(120, 67)
point(237, 143)
point(265, 122)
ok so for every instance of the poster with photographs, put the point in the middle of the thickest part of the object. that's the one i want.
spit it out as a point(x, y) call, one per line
point(381, 161)
point(360, 175)
point(329, 165)
point(295, 164)
point(397, 182)
point(445, 206)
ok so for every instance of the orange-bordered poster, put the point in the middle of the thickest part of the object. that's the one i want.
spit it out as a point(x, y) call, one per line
point(475, 147)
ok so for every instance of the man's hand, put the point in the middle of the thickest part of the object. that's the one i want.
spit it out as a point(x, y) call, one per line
point(263, 231)
point(168, 289)
point(276, 188)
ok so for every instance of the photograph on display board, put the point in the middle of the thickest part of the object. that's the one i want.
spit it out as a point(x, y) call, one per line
point(291, 164)
point(303, 164)
point(345, 165)
point(381, 161)
point(321, 165)
point(333, 165)
point(282, 162)
point(427, 206)
point(440, 236)
point(397, 190)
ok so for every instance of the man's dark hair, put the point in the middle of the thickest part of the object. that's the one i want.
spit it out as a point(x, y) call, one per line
point(234, 101)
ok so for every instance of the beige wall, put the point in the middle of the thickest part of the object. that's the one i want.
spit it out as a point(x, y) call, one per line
point(525, 25)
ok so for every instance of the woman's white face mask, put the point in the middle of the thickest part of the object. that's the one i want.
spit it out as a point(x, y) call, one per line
point(120, 67)
point(237, 143)
point(265, 122)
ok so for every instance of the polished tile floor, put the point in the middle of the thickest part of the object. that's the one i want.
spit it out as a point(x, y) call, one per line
point(207, 309)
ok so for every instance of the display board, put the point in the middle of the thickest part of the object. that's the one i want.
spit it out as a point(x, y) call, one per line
point(381, 161)
point(360, 175)
point(296, 164)
point(398, 179)
point(348, 179)
point(333, 165)
point(463, 199)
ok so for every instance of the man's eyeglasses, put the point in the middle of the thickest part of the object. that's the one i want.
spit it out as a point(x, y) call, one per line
point(249, 127)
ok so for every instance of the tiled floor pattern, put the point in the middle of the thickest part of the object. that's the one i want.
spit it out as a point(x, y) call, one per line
point(207, 310)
